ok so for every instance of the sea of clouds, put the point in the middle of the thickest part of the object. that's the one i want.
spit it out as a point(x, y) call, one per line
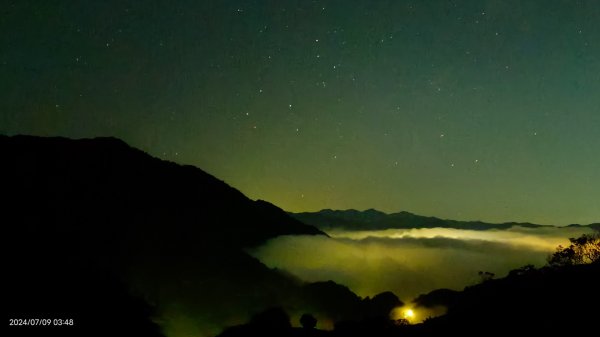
point(410, 262)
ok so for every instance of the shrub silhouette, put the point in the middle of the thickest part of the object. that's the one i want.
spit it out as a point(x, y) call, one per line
point(582, 250)
point(308, 321)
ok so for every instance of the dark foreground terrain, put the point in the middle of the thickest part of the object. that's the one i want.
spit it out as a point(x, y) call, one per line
point(552, 301)
point(105, 240)
point(127, 244)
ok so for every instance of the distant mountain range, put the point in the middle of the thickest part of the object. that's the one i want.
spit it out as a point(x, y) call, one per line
point(105, 234)
point(80, 212)
point(595, 225)
point(372, 219)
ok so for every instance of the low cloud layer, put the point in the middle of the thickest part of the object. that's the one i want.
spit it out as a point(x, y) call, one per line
point(414, 261)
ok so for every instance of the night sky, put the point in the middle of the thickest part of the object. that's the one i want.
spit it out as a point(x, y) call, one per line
point(458, 109)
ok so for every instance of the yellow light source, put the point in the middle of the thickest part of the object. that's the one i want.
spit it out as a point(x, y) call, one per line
point(404, 315)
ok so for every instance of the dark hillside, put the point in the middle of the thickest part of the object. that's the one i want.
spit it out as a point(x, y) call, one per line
point(173, 233)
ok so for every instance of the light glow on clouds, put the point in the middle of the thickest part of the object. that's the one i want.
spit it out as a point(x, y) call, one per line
point(542, 238)
point(413, 261)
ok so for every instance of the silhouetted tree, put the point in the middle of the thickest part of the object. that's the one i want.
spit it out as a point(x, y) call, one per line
point(486, 276)
point(525, 270)
point(582, 250)
point(308, 321)
point(401, 322)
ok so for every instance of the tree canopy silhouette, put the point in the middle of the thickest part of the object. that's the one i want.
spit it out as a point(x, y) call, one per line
point(582, 250)
point(308, 321)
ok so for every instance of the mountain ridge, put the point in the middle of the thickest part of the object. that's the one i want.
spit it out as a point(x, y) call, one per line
point(372, 219)
point(172, 233)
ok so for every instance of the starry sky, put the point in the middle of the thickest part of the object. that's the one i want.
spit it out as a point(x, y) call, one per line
point(467, 110)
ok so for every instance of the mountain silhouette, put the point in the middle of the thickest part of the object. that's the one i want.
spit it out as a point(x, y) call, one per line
point(595, 226)
point(438, 297)
point(127, 244)
point(371, 219)
point(550, 301)
point(78, 213)
point(344, 308)
point(106, 172)
point(545, 302)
